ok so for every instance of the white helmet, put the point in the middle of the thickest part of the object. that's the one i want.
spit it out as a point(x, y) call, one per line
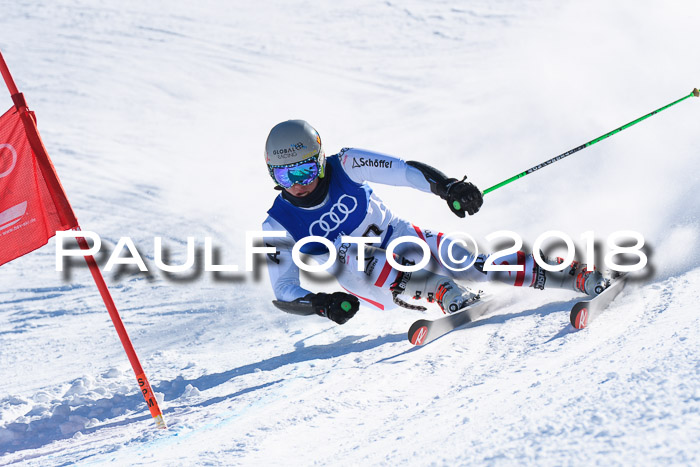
point(294, 153)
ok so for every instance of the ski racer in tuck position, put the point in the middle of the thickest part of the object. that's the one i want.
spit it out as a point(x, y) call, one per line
point(329, 197)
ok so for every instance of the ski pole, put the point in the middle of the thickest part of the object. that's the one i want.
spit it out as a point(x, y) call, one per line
point(694, 92)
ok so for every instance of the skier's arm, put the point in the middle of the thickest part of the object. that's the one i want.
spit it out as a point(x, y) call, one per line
point(461, 196)
point(367, 166)
point(284, 274)
point(337, 306)
point(362, 165)
point(291, 297)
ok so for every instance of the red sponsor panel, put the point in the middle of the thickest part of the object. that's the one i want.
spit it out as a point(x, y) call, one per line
point(32, 208)
point(520, 276)
point(381, 280)
point(422, 237)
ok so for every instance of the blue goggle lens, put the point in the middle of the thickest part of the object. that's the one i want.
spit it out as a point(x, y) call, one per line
point(302, 174)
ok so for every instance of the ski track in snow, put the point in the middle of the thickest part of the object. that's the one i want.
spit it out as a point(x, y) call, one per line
point(155, 116)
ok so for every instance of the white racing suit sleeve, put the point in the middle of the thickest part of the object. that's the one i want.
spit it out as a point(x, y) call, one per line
point(284, 274)
point(368, 166)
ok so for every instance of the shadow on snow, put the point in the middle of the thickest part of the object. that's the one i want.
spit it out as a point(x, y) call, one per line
point(70, 417)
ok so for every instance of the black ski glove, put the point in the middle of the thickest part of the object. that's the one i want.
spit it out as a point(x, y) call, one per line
point(338, 306)
point(462, 196)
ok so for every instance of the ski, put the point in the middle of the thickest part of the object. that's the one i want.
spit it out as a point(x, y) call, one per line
point(426, 330)
point(583, 312)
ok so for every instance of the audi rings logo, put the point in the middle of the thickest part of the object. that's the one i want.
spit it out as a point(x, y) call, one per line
point(14, 159)
point(331, 220)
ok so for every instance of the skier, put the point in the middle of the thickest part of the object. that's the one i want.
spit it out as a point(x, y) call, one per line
point(329, 197)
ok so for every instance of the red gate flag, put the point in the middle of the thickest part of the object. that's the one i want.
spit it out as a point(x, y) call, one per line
point(32, 208)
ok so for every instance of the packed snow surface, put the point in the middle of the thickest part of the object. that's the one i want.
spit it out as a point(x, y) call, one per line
point(155, 115)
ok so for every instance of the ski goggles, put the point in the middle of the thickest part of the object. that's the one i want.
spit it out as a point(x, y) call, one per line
point(301, 173)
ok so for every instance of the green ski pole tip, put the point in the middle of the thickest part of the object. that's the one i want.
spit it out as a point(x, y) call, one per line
point(346, 306)
point(456, 205)
point(696, 93)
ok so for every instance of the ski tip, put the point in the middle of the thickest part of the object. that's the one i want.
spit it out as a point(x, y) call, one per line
point(579, 320)
point(419, 335)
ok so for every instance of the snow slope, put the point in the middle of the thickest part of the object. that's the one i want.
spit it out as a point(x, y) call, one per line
point(155, 115)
